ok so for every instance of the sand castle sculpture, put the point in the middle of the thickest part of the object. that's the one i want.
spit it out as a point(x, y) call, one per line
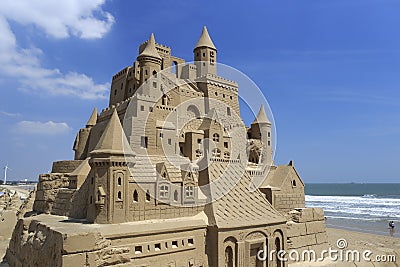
point(150, 188)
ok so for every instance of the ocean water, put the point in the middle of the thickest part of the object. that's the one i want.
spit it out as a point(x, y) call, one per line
point(358, 207)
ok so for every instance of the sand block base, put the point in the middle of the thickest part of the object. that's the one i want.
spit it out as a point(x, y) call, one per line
point(49, 240)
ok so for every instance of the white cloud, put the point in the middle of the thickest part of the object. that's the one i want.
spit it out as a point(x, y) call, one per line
point(9, 114)
point(59, 19)
point(42, 128)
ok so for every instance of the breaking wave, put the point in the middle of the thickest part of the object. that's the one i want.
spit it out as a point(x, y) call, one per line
point(366, 207)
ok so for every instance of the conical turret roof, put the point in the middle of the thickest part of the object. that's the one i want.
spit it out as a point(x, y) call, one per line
point(113, 141)
point(261, 117)
point(93, 119)
point(205, 40)
point(150, 48)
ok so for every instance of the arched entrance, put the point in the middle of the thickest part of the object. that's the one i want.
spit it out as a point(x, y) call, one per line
point(228, 256)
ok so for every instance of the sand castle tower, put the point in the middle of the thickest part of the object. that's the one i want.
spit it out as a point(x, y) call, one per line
point(205, 55)
point(149, 60)
point(261, 130)
point(109, 176)
point(81, 141)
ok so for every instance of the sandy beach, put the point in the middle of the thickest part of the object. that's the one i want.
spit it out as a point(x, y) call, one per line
point(379, 245)
point(381, 248)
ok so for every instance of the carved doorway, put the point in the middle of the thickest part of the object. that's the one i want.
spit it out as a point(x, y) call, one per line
point(254, 261)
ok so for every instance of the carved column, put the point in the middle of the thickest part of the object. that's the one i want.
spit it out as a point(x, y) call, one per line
point(241, 254)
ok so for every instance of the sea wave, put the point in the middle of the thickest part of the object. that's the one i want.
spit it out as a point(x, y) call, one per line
point(361, 207)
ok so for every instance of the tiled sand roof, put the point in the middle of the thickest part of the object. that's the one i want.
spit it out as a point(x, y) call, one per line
point(277, 175)
point(239, 207)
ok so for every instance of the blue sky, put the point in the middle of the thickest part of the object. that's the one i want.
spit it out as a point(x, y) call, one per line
point(329, 69)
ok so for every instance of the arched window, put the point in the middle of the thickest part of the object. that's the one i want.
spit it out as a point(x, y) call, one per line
point(294, 183)
point(216, 137)
point(119, 181)
point(228, 256)
point(135, 196)
point(147, 195)
point(193, 111)
point(278, 248)
point(176, 195)
point(119, 195)
point(174, 68)
point(155, 73)
point(164, 191)
point(165, 100)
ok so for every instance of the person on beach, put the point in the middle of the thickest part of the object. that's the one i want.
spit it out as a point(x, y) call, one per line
point(391, 224)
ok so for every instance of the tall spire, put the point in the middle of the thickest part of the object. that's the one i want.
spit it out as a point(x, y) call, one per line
point(113, 141)
point(261, 117)
point(93, 119)
point(205, 40)
point(150, 48)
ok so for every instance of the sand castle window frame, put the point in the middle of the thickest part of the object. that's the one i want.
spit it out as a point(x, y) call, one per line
point(138, 249)
point(216, 137)
point(163, 191)
point(216, 152)
point(144, 141)
point(148, 198)
point(189, 191)
point(199, 153)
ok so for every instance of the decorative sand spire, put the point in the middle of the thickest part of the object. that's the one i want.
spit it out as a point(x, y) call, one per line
point(113, 141)
point(261, 117)
point(205, 40)
point(150, 48)
point(93, 119)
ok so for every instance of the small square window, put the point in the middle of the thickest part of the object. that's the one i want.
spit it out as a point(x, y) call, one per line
point(169, 141)
point(199, 141)
point(226, 144)
point(138, 249)
point(190, 242)
point(141, 108)
point(174, 244)
point(157, 247)
point(154, 84)
point(161, 135)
